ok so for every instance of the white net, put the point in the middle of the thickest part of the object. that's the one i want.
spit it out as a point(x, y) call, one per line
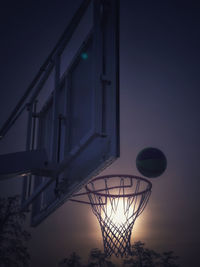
point(117, 200)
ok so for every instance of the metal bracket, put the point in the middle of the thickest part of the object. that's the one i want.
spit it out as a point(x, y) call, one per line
point(35, 115)
point(105, 80)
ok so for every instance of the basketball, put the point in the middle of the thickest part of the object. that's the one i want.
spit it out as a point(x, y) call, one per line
point(151, 162)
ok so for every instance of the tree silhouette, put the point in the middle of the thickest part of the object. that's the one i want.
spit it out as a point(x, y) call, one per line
point(13, 252)
point(144, 257)
point(72, 261)
point(97, 258)
point(168, 259)
point(140, 257)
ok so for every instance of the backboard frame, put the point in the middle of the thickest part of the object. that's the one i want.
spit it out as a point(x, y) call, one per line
point(104, 134)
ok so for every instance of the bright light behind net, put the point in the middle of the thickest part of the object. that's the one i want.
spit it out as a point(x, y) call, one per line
point(116, 216)
point(117, 201)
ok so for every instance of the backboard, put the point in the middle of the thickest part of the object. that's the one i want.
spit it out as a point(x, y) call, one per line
point(73, 112)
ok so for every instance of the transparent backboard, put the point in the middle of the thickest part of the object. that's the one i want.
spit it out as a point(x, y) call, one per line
point(77, 117)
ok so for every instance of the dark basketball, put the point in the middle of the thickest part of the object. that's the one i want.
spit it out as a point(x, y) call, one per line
point(151, 162)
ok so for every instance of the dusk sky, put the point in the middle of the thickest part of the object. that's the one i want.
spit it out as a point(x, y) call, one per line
point(159, 107)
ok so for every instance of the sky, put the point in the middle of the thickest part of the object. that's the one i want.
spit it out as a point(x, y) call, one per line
point(159, 107)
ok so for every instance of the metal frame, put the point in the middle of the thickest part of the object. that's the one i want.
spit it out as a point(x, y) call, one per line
point(113, 176)
point(59, 167)
point(52, 61)
point(106, 189)
point(106, 86)
point(101, 125)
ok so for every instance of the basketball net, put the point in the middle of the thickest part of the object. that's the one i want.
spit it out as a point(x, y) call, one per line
point(116, 201)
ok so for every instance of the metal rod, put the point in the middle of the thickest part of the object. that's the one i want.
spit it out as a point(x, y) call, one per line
point(28, 141)
point(59, 137)
point(32, 143)
point(56, 120)
point(3, 131)
point(34, 125)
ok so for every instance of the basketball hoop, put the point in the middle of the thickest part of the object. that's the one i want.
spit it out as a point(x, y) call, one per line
point(117, 200)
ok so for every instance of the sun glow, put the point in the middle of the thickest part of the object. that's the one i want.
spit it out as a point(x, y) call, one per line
point(117, 215)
